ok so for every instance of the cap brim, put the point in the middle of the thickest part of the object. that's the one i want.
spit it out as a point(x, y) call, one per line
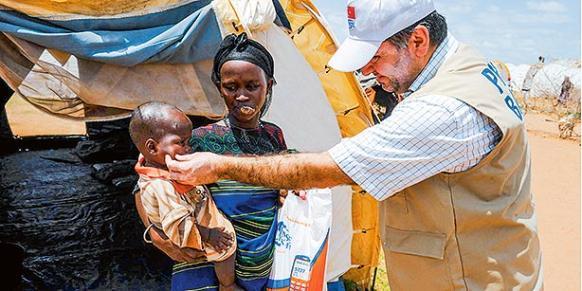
point(353, 54)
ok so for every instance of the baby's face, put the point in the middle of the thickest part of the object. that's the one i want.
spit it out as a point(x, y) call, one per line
point(175, 142)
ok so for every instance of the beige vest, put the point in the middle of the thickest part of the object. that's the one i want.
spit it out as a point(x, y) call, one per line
point(474, 230)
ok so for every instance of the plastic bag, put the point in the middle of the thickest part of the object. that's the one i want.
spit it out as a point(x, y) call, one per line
point(301, 243)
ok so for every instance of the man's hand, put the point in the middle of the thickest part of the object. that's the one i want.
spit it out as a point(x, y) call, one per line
point(194, 169)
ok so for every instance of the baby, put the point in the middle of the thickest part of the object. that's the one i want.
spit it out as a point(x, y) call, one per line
point(186, 214)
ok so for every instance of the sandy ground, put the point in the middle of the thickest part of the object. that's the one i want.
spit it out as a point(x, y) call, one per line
point(556, 186)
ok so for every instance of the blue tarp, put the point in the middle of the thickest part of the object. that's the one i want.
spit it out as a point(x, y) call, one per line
point(183, 34)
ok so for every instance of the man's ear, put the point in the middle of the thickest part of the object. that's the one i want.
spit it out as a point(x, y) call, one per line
point(419, 41)
point(151, 146)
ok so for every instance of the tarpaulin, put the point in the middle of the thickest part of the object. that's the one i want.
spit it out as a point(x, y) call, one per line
point(101, 64)
point(185, 32)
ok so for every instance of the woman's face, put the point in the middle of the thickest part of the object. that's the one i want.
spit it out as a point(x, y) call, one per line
point(244, 87)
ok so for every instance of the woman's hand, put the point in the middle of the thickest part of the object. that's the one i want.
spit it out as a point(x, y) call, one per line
point(282, 196)
point(302, 194)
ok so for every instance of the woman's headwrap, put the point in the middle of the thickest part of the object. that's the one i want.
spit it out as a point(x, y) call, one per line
point(241, 48)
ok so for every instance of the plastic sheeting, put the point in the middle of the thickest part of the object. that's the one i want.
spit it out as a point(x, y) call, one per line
point(184, 33)
point(77, 233)
point(64, 85)
point(95, 8)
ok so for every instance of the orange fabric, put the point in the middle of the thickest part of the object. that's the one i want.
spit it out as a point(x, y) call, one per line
point(159, 173)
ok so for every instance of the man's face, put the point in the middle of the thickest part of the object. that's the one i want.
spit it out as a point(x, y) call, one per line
point(395, 68)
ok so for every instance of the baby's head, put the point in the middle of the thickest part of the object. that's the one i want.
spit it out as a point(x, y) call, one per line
point(158, 129)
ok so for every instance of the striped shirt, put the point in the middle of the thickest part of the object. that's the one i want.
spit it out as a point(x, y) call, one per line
point(423, 137)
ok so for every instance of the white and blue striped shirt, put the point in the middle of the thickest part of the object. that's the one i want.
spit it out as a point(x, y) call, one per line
point(423, 137)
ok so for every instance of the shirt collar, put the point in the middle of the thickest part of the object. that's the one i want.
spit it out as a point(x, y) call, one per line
point(442, 53)
point(149, 173)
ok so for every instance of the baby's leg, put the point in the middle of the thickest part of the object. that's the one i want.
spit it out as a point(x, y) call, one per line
point(225, 273)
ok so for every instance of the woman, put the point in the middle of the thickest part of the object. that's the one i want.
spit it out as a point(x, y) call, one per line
point(243, 73)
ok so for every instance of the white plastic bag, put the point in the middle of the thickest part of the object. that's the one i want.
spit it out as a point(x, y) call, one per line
point(301, 243)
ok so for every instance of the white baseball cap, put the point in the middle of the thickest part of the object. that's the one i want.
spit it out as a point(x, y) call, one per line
point(371, 22)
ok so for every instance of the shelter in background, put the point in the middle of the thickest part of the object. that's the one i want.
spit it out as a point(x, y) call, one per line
point(548, 78)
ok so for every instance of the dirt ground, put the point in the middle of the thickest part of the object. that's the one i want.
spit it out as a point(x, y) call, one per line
point(556, 186)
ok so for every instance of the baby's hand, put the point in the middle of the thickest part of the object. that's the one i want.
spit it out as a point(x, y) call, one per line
point(219, 239)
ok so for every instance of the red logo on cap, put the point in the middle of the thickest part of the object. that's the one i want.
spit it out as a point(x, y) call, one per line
point(351, 12)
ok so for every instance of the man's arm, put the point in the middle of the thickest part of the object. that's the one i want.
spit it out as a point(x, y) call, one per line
point(288, 171)
point(422, 137)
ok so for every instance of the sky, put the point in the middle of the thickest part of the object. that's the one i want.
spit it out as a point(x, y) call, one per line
point(515, 32)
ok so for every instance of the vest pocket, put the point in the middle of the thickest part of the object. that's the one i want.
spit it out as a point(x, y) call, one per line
point(419, 243)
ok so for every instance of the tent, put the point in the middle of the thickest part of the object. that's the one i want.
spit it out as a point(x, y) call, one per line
point(98, 60)
point(548, 79)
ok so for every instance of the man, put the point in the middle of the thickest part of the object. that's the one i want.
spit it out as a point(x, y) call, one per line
point(527, 85)
point(565, 91)
point(451, 165)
